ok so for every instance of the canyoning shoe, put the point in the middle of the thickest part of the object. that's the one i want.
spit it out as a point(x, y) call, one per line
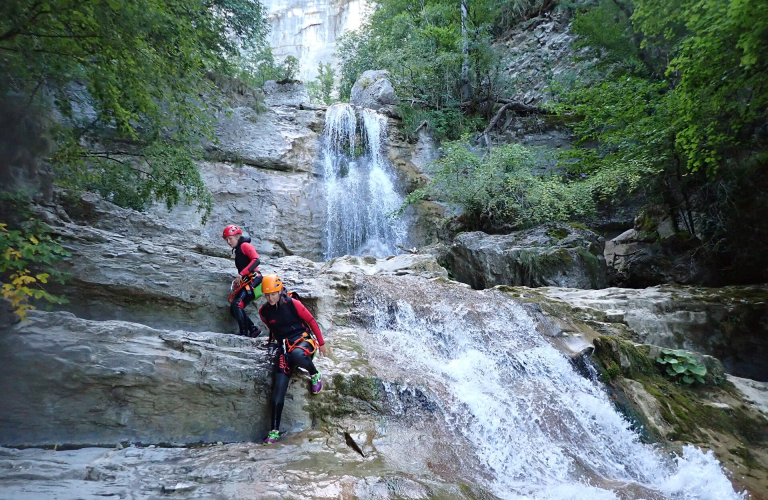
point(317, 383)
point(272, 437)
point(254, 331)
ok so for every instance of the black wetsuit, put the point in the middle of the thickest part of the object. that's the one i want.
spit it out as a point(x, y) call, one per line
point(288, 321)
point(247, 262)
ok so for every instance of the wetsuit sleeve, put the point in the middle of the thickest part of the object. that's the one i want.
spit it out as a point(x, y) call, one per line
point(249, 252)
point(307, 318)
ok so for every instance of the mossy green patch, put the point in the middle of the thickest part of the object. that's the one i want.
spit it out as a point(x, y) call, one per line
point(744, 454)
point(579, 225)
point(684, 408)
point(346, 395)
point(557, 232)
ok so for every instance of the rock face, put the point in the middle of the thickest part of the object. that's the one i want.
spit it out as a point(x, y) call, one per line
point(263, 174)
point(287, 93)
point(728, 323)
point(67, 380)
point(393, 378)
point(536, 52)
point(655, 252)
point(373, 90)
point(308, 30)
point(553, 254)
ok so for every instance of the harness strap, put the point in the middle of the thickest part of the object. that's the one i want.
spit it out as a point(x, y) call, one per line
point(245, 283)
point(305, 337)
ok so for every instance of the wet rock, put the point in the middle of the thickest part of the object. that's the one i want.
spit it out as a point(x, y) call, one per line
point(423, 265)
point(373, 90)
point(72, 381)
point(327, 469)
point(729, 323)
point(553, 254)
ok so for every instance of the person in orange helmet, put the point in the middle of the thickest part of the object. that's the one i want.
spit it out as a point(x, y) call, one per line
point(289, 323)
point(247, 285)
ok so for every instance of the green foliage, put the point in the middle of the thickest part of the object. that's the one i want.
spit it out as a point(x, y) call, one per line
point(27, 255)
point(681, 87)
point(682, 366)
point(258, 66)
point(423, 47)
point(501, 188)
point(128, 80)
point(321, 88)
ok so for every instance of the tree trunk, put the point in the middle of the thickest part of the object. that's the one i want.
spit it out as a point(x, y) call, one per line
point(465, 90)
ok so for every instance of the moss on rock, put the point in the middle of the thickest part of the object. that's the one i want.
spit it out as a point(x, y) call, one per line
point(345, 395)
point(694, 414)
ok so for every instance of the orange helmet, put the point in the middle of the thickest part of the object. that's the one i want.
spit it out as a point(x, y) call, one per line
point(271, 283)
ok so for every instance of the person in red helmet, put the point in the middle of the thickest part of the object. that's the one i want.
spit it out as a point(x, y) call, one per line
point(289, 323)
point(247, 284)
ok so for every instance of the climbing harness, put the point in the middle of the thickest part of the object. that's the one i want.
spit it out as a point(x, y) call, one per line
point(288, 347)
point(305, 337)
point(247, 284)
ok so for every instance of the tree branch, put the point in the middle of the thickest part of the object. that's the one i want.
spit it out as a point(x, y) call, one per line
point(496, 118)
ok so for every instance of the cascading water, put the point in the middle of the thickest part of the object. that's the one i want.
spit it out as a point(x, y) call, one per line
point(361, 194)
point(541, 430)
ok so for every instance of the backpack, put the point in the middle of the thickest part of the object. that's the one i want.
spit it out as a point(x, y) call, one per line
point(289, 296)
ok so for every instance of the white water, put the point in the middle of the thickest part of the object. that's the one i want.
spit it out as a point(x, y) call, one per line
point(544, 431)
point(360, 188)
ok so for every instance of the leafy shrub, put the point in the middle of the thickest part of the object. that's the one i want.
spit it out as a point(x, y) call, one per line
point(682, 366)
point(27, 255)
point(321, 88)
point(258, 66)
point(501, 189)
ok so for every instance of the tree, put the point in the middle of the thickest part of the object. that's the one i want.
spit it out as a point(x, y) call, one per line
point(124, 88)
point(127, 79)
point(682, 85)
point(321, 88)
point(440, 57)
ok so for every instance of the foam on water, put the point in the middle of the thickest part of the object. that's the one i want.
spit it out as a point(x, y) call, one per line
point(543, 430)
point(360, 188)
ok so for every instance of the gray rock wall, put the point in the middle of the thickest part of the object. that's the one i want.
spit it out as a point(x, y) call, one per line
point(67, 380)
point(264, 175)
point(729, 323)
point(553, 254)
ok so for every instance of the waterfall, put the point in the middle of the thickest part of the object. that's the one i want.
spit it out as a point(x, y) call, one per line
point(360, 188)
point(540, 429)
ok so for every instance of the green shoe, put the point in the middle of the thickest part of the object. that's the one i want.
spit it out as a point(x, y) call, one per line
point(317, 383)
point(272, 437)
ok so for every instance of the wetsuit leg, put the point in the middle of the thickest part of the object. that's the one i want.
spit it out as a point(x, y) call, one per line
point(299, 358)
point(236, 309)
point(279, 389)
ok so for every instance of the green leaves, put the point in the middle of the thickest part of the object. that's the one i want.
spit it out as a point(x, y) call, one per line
point(130, 80)
point(501, 188)
point(321, 88)
point(27, 253)
point(682, 366)
point(422, 46)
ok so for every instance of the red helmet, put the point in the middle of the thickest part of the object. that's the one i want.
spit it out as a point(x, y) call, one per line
point(232, 230)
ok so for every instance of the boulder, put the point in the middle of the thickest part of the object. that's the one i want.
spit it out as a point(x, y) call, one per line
point(285, 93)
point(553, 254)
point(655, 252)
point(373, 90)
